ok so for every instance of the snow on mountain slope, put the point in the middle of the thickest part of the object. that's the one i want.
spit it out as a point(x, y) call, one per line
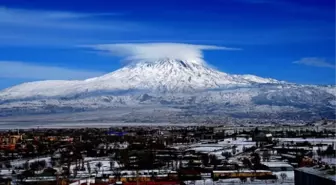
point(269, 101)
point(169, 75)
point(257, 79)
point(164, 76)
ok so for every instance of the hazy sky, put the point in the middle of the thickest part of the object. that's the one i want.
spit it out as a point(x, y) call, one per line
point(286, 40)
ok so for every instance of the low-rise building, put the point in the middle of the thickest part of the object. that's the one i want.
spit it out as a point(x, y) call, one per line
point(315, 176)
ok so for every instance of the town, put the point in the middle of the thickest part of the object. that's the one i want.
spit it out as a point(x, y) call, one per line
point(170, 155)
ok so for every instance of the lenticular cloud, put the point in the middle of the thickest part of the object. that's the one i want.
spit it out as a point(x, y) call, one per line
point(156, 51)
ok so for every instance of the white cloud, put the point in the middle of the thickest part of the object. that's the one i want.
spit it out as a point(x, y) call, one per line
point(315, 61)
point(14, 69)
point(54, 19)
point(154, 51)
point(46, 27)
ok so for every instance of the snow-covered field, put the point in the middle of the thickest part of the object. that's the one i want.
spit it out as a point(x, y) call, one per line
point(238, 182)
point(311, 140)
point(20, 162)
point(223, 146)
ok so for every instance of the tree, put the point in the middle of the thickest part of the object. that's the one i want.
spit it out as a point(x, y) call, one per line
point(41, 148)
point(25, 174)
point(234, 149)
point(329, 151)
point(53, 162)
point(266, 156)
point(117, 174)
point(227, 155)
point(236, 166)
point(75, 172)
point(49, 172)
point(28, 173)
point(247, 162)
point(243, 179)
point(256, 160)
point(283, 176)
point(111, 165)
point(30, 148)
point(214, 161)
point(8, 164)
point(205, 160)
point(99, 165)
point(37, 165)
point(112, 158)
point(26, 165)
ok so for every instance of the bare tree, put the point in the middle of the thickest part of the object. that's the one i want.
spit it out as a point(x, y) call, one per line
point(283, 176)
point(99, 165)
point(266, 155)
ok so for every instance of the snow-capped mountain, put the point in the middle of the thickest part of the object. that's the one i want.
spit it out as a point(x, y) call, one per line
point(189, 86)
point(164, 76)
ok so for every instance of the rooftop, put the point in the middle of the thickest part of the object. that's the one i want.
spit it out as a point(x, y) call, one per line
point(276, 164)
point(322, 172)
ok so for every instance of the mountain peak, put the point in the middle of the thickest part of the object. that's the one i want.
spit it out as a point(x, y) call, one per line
point(175, 75)
point(165, 75)
point(170, 74)
point(168, 61)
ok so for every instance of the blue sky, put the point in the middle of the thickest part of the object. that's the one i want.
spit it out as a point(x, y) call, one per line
point(286, 40)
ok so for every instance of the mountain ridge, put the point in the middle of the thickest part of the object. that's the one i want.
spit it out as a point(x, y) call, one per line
point(190, 86)
point(165, 75)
